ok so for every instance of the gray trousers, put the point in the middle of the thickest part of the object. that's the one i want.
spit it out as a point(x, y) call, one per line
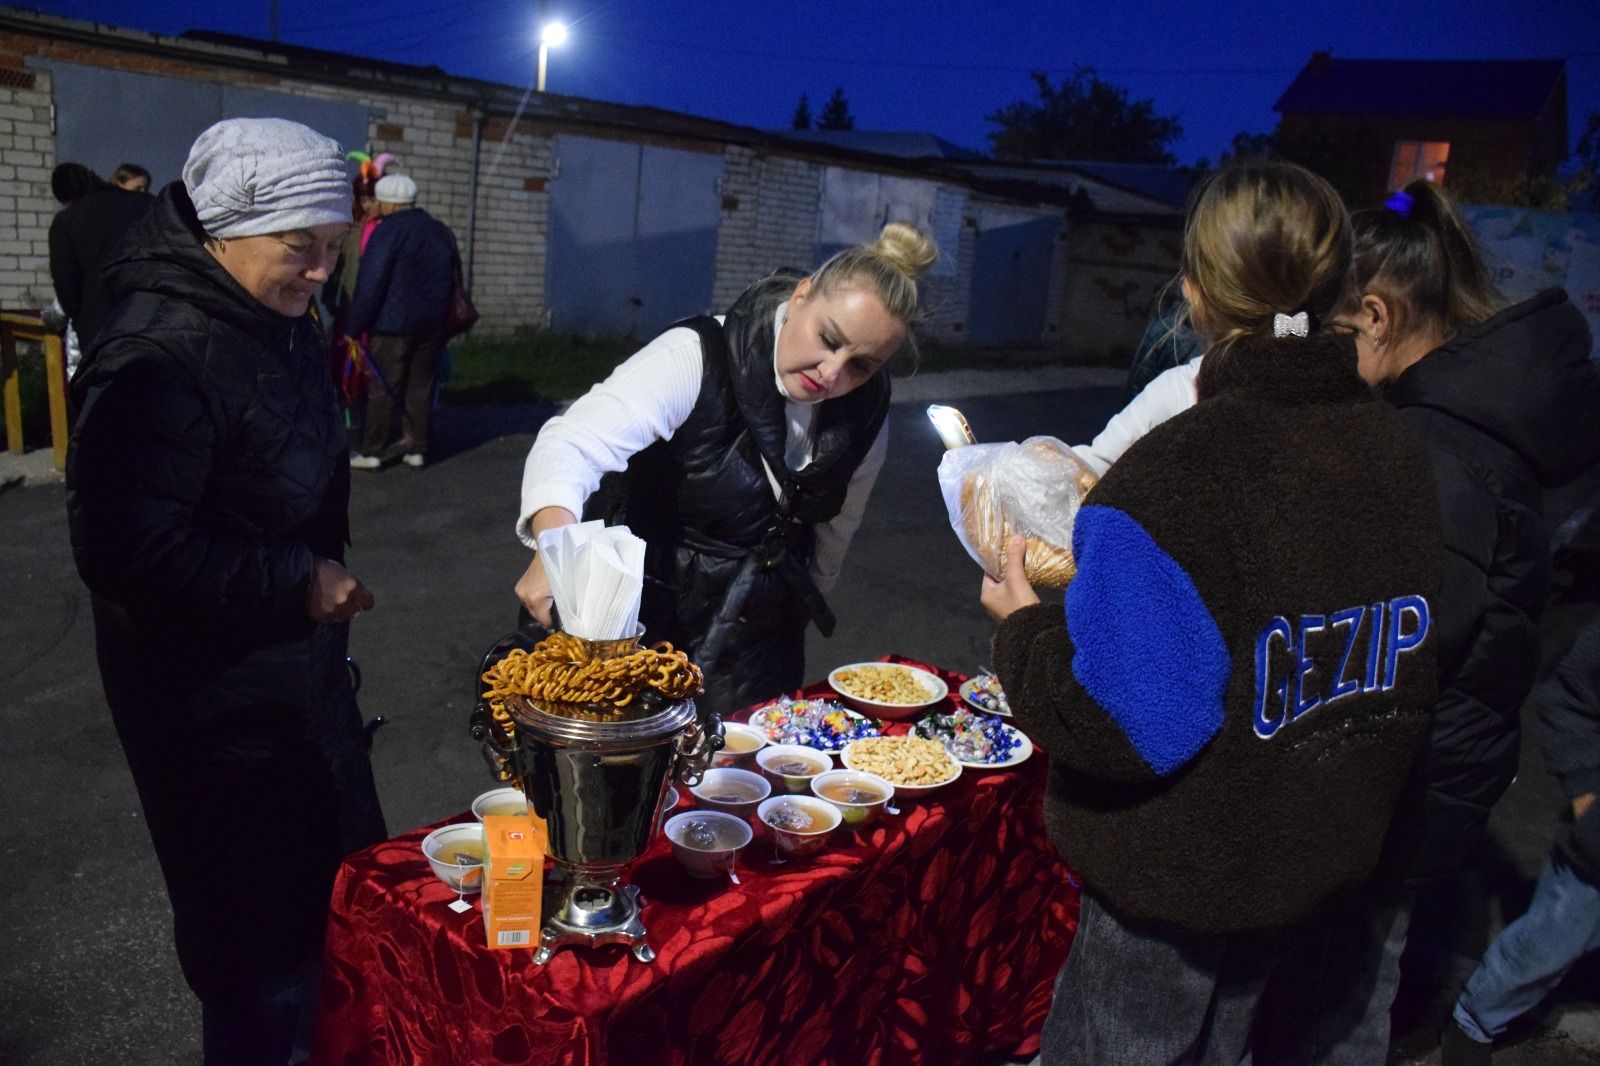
point(1132, 997)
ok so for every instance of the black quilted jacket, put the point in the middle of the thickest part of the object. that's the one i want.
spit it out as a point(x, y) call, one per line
point(1507, 408)
point(207, 466)
point(726, 563)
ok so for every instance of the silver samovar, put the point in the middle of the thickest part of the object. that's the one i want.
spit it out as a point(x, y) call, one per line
point(598, 778)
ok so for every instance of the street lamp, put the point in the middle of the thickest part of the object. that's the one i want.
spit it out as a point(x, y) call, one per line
point(553, 35)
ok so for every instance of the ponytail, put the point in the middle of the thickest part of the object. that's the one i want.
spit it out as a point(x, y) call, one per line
point(1418, 254)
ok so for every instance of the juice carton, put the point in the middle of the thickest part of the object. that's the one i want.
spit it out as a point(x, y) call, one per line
point(513, 881)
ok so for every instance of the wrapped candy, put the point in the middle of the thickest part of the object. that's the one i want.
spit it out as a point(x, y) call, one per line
point(817, 723)
point(971, 737)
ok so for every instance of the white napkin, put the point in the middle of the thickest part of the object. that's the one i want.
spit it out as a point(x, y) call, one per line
point(596, 574)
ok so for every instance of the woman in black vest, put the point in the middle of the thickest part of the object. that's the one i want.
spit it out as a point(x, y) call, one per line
point(742, 449)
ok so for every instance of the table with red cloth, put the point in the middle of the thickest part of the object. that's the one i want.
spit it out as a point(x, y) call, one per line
point(934, 936)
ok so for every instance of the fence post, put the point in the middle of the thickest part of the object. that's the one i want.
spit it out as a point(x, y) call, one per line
point(13, 390)
point(55, 372)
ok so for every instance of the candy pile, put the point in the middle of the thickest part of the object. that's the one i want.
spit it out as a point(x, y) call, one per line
point(971, 738)
point(821, 724)
point(985, 692)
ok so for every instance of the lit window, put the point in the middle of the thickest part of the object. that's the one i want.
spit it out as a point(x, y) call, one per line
point(1418, 159)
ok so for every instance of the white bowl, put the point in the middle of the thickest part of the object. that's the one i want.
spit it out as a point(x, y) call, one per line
point(500, 801)
point(718, 788)
point(441, 847)
point(908, 791)
point(794, 843)
point(933, 686)
point(707, 862)
point(744, 760)
point(855, 814)
point(792, 783)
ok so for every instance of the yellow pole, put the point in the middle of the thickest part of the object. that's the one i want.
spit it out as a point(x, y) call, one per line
point(13, 390)
point(55, 371)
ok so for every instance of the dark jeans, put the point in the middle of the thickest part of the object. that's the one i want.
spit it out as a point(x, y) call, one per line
point(404, 369)
point(1130, 997)
point(1328, 1002)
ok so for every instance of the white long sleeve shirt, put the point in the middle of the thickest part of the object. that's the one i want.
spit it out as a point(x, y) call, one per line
point(645, 400)
point(1169, 393)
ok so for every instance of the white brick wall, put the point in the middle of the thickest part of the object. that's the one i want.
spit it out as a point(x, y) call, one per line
point(27, 155)
point(774, 223)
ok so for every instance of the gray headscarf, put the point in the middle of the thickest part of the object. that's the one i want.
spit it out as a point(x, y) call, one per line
point(248, 176)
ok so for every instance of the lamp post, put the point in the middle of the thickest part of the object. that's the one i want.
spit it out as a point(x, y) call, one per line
point(552, 35)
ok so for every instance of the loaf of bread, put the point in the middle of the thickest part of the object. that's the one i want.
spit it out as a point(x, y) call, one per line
point(989, 512)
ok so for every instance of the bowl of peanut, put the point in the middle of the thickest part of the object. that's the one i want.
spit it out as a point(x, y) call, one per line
point(913, 765)
point(888, 690)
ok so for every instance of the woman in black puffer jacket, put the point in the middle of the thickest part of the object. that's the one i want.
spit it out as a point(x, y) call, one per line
point(1505, 398)
point(207, 491)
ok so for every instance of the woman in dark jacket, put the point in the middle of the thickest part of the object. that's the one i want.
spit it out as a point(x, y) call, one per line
point(207, 493)
point(1505, 398)
point(742, 450)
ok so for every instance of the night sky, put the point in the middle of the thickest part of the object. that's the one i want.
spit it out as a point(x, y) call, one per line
point(938, 66)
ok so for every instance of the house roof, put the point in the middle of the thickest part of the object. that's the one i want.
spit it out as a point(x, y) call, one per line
point(908, 144)
point(1424, 88)
point(1170, 185)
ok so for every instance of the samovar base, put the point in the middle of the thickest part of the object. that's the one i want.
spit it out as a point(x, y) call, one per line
point(592, 915)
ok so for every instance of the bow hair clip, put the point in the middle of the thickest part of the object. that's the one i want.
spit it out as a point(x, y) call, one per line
point(1296, 325)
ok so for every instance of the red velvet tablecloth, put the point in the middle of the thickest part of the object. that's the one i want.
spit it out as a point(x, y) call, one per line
point(934, 936)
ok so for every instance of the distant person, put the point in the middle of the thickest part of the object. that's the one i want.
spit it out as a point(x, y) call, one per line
point(351, 366)
point(207, 496)
point(1562, 924)
point(83, 234)
point(133, 177)
point(402, 301)
point(1168, 341)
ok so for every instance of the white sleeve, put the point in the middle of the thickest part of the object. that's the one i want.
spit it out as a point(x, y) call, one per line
point(644, 400)
point(834, 535)
point(1170, 393)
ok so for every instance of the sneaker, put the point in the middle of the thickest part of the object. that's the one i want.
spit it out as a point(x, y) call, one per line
point(364, 462)
point(413, 460)
point(1456, 1048)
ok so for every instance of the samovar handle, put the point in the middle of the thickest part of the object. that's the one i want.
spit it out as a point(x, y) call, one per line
point(695, 746)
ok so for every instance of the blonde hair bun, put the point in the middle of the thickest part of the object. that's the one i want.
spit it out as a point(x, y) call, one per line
point(910, 250)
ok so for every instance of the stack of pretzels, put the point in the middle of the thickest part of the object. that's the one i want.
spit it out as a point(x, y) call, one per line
point(561, 670)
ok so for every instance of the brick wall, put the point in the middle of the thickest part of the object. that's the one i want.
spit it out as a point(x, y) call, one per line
point(771, 207)
point(27, 155)
point(770, 214)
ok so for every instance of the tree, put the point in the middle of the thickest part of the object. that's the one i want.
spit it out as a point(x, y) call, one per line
point(836, 113)
point(1250, 146)
point(802, 114)
point(1083, 118)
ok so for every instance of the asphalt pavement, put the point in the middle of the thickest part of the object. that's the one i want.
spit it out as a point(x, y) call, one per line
point(87, 971)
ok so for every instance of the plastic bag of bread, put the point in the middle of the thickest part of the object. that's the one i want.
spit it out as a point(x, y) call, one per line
point(1033, 488)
